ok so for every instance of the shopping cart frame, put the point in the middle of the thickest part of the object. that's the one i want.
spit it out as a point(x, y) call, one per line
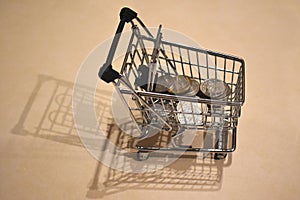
point(144, 98)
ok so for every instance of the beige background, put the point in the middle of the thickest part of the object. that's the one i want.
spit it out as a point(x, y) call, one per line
point(52, 38)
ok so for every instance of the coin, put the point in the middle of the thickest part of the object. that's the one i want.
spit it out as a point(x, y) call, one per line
point(180, 85)
point(215, 88)
point(163, 83)
point(194, 88)
point(189, 113)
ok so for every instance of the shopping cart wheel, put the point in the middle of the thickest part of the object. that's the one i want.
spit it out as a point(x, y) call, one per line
point(220, 156)
point(142, 155)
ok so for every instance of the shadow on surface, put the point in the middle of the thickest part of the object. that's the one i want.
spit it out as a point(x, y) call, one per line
point(188, 173)
point(48, 115)
point(48, 111)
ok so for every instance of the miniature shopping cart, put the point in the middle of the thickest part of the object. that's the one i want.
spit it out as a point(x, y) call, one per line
point(148, 58)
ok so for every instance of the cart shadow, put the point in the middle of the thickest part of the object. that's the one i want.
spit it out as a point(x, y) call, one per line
point(48, 115)
point(187, 173)
point(48, 111)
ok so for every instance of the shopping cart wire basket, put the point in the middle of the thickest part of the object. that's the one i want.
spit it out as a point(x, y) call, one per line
point(214, 108)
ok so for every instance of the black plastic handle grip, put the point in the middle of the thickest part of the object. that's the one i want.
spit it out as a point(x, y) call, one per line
point(127, 14)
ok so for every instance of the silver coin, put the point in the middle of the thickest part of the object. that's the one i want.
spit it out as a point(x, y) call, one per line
point(181, 85)
point(215, 88)
point(163, 83)
point(189, 113)
point(194, 88)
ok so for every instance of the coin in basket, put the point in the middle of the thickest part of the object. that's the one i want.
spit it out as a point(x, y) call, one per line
point(215, 88)
point(163, 83)
point(189, 113)
point(194, 88)
point(180, 85)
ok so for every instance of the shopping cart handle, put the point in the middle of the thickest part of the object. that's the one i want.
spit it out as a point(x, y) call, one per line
point(106, 72)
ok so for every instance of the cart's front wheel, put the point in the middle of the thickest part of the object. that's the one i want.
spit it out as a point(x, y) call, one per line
point(220, 156)
point(142, 156)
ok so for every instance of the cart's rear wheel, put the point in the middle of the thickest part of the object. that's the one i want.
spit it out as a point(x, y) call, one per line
point(220, 156)
point(142, 155)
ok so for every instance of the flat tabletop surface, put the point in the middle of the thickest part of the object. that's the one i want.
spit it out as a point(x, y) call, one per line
point(44, 43)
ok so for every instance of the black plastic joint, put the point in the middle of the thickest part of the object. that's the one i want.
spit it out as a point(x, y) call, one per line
point(127, 14)
point(108, 74)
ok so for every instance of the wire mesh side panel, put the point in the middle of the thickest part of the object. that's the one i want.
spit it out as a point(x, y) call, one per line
point(200, 64)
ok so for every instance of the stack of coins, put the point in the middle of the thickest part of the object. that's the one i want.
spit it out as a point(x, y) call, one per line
point(181, 85)
point(190, 113)
point(186, 86)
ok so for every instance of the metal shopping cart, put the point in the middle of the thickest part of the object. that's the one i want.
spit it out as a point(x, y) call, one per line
point(147, 82)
